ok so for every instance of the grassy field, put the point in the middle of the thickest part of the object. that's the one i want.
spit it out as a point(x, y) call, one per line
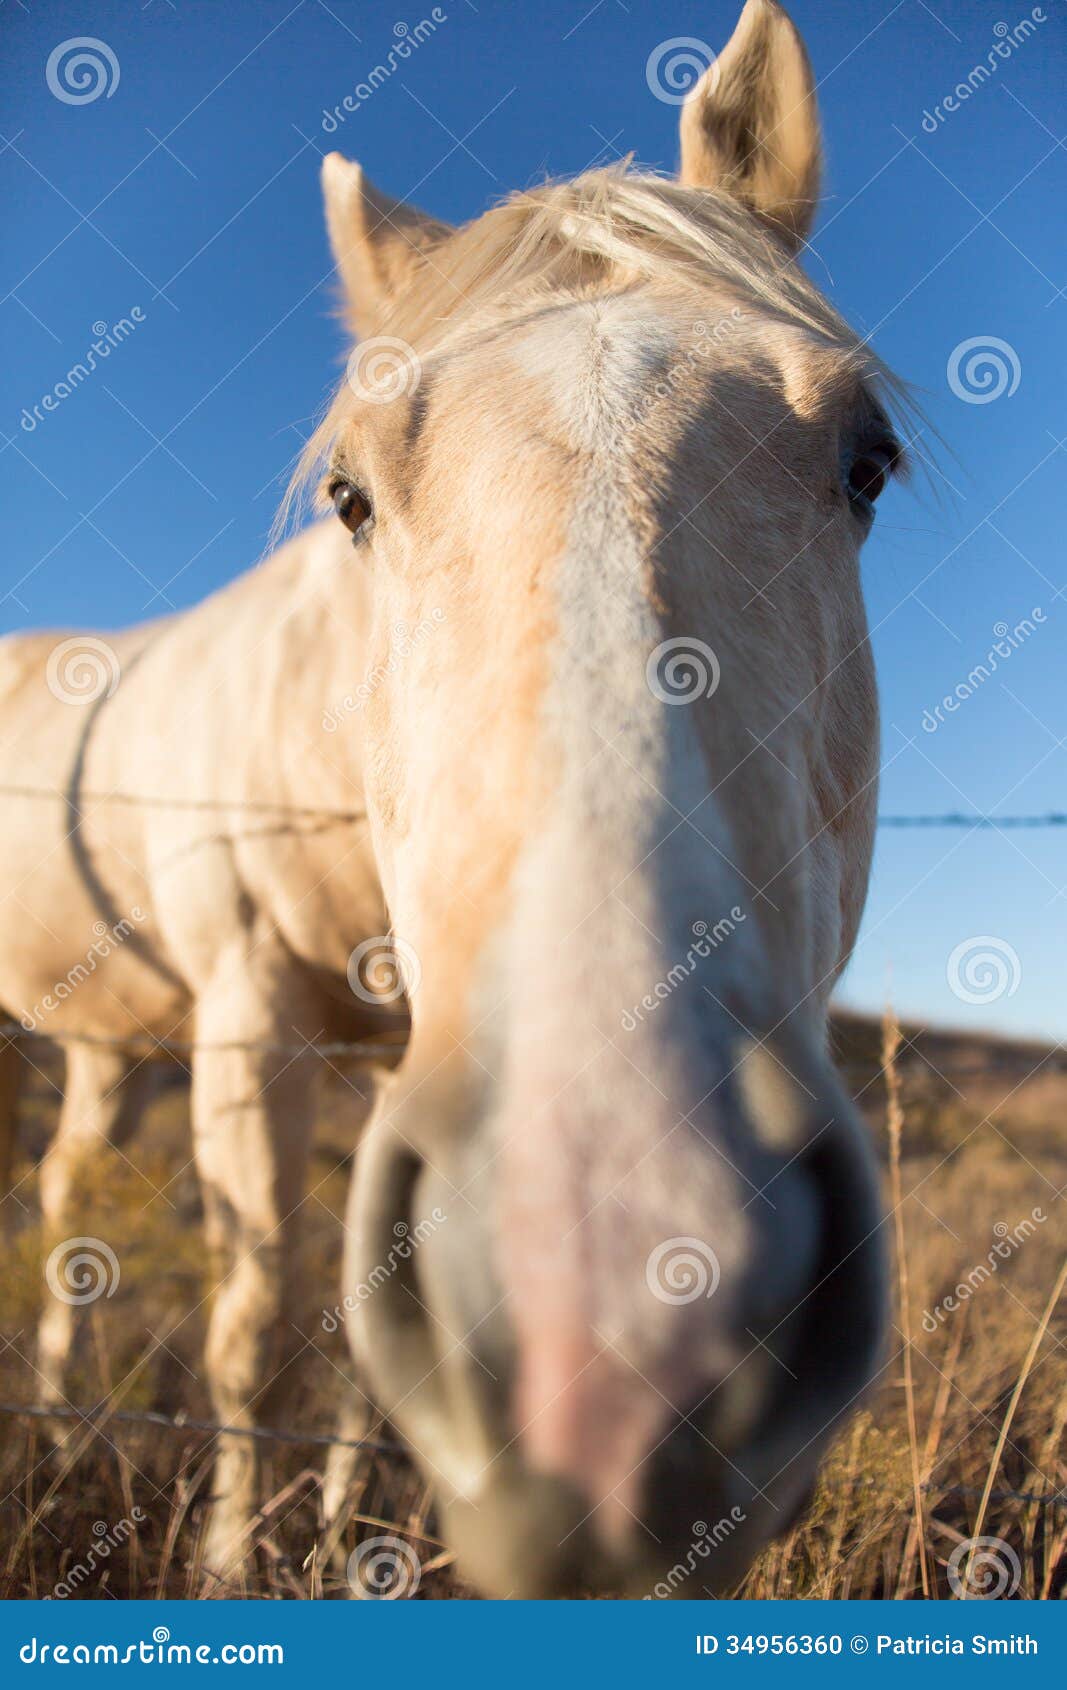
point(972, 1395)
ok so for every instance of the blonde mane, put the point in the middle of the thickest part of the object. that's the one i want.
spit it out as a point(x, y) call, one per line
point(606, 230)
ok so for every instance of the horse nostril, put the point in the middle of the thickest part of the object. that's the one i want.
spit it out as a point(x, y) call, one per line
point(827, 1219)
point(790, 1213)
point(807, 1324)
point(829, 1340)
point(387, 1325)
point(424, 1328)
point(849, 1294)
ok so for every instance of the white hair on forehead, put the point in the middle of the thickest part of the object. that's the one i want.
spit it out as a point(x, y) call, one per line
point(633, 227)
point(605, 230)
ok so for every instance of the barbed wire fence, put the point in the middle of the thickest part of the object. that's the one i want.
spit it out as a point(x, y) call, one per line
point(191, 1425)
point(91, 1417)
point(77, 798)
point(380, 1049)
point(963, 818)
point(145, 1044)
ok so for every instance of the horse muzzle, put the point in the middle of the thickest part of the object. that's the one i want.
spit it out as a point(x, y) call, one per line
point(653, 1454)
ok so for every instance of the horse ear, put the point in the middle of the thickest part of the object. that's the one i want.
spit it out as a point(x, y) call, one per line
point(750, 127)
point(379, 243)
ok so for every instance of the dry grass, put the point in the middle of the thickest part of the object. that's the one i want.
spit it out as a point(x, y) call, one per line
point(987, 1384)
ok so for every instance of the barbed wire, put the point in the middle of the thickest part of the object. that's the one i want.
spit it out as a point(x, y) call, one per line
point(370, 1049)
point(960, 818)
point(384, 1446)
point(381, 1049)
point(147, 1044)
point(187, 1423)
point(148, 801)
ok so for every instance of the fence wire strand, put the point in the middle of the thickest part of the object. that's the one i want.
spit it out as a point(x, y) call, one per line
point(961, 818)
point(385, 1446)
point(76, 798)
point(383, 1049)
point(186, 1423)
point(147, 1044)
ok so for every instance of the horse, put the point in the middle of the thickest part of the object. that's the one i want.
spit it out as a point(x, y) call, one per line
point(568, 702)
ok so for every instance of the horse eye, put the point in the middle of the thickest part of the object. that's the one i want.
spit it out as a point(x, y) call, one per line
point(869, 474)
point(351, 505)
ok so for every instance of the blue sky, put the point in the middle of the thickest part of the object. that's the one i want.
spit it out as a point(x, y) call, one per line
point(190, 192)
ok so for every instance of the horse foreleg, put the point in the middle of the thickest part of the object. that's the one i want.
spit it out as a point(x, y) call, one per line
point(347, 1471)
point(252, 1117)
point(104, 1095)
point(11, 1072)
